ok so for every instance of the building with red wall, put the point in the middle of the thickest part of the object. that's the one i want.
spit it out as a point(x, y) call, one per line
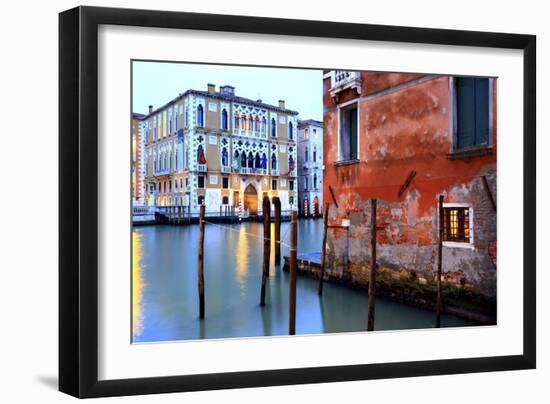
point(405, 139)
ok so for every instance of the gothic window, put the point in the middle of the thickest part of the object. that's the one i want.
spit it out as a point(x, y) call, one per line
point(290, 131)
point(273, 162)
point(314, 154)
point(257, 161)
point(225, 157)
point(243, 159)
point(273, 127)
point(201, 159)
point(250, 160)
point(264, 125)
point(237, 121)
point(314, 181)
point(200, 116)
point(224, 119)
point(290, 163)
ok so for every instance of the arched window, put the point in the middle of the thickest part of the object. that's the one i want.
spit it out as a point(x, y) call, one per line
point(224, 119)
point(200, 116)
point(314, 154)
point(176, 121)
point(264, 161)
point(170, 124)
point(170, 160)
point(257, 124)
point(257, 161)
point(273, 162)
point(201, 159)
point(290, 130)
point(186, 118)
point(290, 163)
point(176, 161)
point(155, 164)
point(273, 127)
point(306, 133)
point(237, 121)
point(264, 126)
point(236, 164)
point(250, 160)
point(314, 181)
point(250, 122)
point(225, 157)
point(243, 159)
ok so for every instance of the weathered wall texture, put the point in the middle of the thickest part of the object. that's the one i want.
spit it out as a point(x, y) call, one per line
point(405, 125)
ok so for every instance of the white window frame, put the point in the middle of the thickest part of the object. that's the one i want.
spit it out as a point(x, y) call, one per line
point(345, 106)
point(457, 244)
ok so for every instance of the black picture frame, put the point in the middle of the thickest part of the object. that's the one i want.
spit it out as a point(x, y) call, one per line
point(78, 196)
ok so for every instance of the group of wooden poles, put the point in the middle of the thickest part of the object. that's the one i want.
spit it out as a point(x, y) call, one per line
point(293, 248)
point(266, 215)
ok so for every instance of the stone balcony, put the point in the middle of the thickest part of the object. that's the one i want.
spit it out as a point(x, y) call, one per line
point(342, 80)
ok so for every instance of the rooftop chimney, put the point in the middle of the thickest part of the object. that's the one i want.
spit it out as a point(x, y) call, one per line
point(282, 104)
point(150, 108)
point(227, 90)
point(211, 88)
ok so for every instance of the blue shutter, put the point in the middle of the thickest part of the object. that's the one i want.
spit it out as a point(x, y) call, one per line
point(466, 112)
point(482, 111)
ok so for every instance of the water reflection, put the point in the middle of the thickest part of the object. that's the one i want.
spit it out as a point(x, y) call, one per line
point(165, 297)
point(137, 284)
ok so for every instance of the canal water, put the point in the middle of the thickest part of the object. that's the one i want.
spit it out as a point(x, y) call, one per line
point(165, 297)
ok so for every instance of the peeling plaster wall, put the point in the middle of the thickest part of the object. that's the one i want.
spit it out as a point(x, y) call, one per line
point(405, 124)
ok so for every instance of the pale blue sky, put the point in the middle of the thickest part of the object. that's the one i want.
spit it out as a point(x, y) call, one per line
point(156, 83)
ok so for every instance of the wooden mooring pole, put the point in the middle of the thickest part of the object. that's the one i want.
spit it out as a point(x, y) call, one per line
point(277, 203)
point(292, 273)
point(266, 212)
point(201, 262)
point(439, 303)
point(372, 274)
point(324, 250)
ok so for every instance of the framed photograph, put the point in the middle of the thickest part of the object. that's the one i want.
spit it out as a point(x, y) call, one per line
point(251, 201)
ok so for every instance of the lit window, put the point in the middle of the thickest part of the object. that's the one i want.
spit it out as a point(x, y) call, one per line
point(456, 224)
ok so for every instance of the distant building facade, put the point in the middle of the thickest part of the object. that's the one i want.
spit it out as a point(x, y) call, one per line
point(406, 139)
point(138, 154)
point(217, 148)
point(310, 167)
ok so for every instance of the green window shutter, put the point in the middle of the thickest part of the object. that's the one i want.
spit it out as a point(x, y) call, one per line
point(466, 112)
point(353, 133)
point(482, 111)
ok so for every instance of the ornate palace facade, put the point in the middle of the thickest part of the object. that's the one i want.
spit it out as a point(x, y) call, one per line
point(216, 148)
point(310, 167)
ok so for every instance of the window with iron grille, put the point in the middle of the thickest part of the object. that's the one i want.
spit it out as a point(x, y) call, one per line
point(456, 224)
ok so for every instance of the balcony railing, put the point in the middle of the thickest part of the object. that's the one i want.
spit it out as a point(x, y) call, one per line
point(274, 172)
point(343, 80)
point(226, 169)
point(202, 168)
point(164, 171)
